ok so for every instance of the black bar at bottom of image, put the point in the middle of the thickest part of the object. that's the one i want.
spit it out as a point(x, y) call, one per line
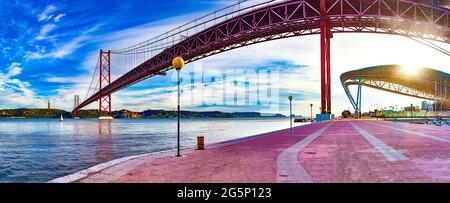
point(226, 192)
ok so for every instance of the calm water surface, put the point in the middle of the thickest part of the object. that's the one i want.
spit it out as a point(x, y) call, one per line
point(38, 150)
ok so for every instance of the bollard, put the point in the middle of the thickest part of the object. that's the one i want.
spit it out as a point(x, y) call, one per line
point(200, 142)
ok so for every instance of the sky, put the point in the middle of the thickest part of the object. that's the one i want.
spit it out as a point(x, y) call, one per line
point(48, 51)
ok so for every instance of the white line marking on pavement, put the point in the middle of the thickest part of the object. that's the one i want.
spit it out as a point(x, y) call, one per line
point(289, 169)
point(388, 152)
point(416, 133)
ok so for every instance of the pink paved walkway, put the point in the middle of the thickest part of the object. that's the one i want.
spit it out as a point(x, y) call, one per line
point(327, 152)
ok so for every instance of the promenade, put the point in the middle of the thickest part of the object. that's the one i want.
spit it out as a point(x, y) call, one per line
point(333, 151)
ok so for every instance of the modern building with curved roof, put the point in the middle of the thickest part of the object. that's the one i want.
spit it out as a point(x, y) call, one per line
point(418, 82)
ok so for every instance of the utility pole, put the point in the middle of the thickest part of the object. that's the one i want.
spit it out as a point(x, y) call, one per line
point(290, 111)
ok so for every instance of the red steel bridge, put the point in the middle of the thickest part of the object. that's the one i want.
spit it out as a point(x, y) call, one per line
point(251, 22)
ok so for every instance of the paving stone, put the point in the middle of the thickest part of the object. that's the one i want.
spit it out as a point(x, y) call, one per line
point(339, 154)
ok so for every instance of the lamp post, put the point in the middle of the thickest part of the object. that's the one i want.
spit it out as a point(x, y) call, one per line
point(290, 111)
point(311, 105)
point(396, 113)
point(178, 64)
point(411, 113)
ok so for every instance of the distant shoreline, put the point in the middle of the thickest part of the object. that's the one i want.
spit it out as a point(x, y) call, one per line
point(242, 118)
point(91, 113)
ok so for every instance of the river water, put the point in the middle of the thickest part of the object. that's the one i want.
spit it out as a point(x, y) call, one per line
point(39, 150)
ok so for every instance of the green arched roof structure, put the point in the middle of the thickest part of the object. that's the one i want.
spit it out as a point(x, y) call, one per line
point(424, 83)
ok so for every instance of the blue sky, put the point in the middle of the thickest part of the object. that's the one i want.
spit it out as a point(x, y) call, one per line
point(48, 50)
point(49, 40)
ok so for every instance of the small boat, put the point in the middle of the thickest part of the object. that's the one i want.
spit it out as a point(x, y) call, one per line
point(61, 119)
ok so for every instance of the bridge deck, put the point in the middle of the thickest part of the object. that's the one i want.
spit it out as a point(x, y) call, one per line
point(338, 151)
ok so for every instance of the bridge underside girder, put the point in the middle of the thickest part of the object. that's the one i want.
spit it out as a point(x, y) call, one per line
point(290, 19)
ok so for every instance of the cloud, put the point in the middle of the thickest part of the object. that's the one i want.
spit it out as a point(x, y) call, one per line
point(45, 30)
point(66, 49)
point(14, 92)
point(70, 47)
point(47, 13)
point(12, 99)
point(17, 94)
point(20, 86)
point(58, 17)
point(13, 70)
point(137, 34)
point(65, 80)
point(244, 92)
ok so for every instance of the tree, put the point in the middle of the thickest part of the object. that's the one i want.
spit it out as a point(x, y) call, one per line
point(346, 114)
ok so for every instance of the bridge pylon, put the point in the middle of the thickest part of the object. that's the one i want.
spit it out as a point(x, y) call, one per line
point(104, 80)
point(325, 65)
point(76, 102)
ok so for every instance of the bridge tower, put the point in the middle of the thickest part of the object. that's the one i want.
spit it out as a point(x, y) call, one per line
point(105, 80)
point(325, 66)
point(76, 103)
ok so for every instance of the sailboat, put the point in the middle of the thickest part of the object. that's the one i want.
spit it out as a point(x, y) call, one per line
point(61, 119)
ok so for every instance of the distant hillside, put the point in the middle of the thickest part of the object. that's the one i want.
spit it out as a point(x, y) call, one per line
point(206, 114)
point(32, 113)
point(91, 113)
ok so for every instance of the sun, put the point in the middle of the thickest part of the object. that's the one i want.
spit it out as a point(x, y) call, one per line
point(411, 70)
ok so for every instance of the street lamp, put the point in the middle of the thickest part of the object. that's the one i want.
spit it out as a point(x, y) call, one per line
point(290, 111)
point(311, 105)
point(178, 64)
point(396, 113)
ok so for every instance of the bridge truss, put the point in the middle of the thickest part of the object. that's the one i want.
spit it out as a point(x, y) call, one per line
point(248, 23)
point(430, 85)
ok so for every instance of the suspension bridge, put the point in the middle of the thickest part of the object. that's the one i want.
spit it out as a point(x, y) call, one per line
point(251, 22)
